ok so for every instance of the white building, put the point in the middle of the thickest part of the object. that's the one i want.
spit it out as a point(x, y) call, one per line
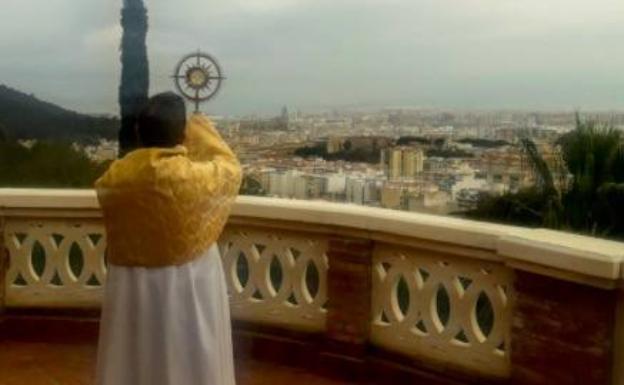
point(336, 183)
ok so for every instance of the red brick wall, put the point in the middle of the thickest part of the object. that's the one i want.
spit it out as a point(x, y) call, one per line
point(4, 266)
point(562, 332)
point(349, 282)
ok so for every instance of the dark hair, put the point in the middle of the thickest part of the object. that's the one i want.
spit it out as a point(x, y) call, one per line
point(162, 121)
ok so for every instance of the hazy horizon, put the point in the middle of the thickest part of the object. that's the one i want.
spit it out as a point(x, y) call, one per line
point(318, 54)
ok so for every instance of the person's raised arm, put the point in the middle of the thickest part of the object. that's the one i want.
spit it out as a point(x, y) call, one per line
point(210, 154)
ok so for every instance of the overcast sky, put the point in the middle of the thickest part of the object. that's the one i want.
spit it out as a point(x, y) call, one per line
point(308, 54)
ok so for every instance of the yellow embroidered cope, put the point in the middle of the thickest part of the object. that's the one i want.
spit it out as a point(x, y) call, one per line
point(167, 206)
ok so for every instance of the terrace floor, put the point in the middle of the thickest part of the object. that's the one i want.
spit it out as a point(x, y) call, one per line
point(48, 356)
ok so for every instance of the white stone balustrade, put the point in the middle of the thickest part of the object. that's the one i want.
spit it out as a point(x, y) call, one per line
point(276, 278)
point(54, 262)
point(431, 305)
point(442, 288)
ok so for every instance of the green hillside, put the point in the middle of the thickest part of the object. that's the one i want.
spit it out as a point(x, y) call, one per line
point(23, 116)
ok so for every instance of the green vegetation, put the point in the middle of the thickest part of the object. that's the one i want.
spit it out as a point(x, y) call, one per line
point(23, 116)
point(134, 87)
point(46, 164)
point(437, 146)
point(317, 150)
point(407, 140)
point(349, 154)
point(594, 155)
point(592, 202)
point(251, 186)
point(449, 153)
point(439, 142)
point(485, 143)
point(523, 208)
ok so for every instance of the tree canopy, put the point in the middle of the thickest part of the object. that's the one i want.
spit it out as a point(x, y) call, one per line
point(23, 116)
point(593, 201)
point(46, 164)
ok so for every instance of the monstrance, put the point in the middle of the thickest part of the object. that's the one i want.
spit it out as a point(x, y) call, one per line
point(198, 77)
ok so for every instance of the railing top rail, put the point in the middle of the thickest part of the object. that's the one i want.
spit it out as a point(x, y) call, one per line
point(532, 249)
point(36, 198)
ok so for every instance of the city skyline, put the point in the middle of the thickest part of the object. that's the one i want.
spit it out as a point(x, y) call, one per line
point(312, 55)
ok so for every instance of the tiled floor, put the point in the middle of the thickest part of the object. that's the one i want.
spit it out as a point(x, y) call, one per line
point(36, 363)
point(45, 364)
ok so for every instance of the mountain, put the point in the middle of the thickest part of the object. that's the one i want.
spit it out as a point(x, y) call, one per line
point(23, 116)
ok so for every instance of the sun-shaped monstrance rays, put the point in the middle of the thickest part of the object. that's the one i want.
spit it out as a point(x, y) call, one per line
point(198, 77)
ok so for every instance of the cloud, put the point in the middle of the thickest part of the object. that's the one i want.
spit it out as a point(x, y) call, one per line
point(309, 53)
